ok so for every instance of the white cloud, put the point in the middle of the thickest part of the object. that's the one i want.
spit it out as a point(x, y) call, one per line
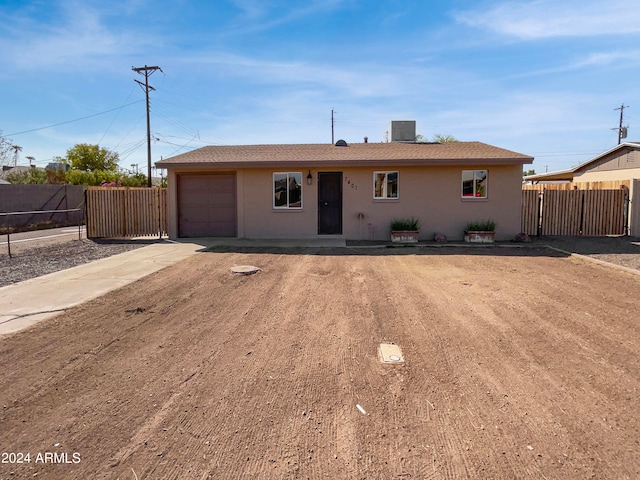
point(551, 18)
point(364, 79)
point(259, 15)
point(79, 37)
point(251, 8)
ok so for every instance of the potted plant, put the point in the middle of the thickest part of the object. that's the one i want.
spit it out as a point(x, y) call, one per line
point(405, 230)
point(482, 231)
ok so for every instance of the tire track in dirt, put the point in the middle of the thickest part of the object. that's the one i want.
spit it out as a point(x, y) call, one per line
point(472, 315)
point(519, 372)
point(198, 345)
point(241, 343)
point(198, 373)
point(409, 390)
point(149, 358)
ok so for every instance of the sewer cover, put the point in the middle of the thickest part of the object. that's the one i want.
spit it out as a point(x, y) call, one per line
point(390, 353)
point(245, 269)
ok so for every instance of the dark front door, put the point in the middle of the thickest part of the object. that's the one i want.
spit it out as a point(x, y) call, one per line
point(330, 203)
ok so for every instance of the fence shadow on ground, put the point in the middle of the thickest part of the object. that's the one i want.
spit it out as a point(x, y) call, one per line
point(127, 241)
point(557, 246)
point(384, 250)
point(539, 247)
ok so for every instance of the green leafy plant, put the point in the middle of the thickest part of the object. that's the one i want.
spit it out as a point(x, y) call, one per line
point(481, 226)
point(409, 223)
point(31, 176)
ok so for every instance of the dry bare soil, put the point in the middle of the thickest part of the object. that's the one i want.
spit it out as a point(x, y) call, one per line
point(520, 363)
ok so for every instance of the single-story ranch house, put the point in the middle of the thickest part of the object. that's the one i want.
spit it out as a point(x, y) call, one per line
point(353, 191)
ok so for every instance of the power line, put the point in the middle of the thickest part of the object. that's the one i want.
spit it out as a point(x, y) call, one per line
point(147, 71)
point(75, 120)
point(563, 154)
point(114, 118)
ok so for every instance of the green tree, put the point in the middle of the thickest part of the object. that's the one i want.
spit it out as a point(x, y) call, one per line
point(101, 177)
point(32, 175)
point(436, 139)
point(444, 138)
point(91, 158)
point(528, 172)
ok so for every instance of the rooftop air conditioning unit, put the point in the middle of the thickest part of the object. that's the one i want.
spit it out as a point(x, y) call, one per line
point(403, 130)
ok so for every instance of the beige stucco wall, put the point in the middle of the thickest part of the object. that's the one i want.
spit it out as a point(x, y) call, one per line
point(433, 194)
point(607, 175)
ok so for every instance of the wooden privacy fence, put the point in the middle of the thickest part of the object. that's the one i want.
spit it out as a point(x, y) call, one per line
point(602, 185)
point(575, 212)
point(115, 212)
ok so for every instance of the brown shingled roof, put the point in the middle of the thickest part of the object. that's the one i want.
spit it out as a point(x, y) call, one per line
point(357, 154)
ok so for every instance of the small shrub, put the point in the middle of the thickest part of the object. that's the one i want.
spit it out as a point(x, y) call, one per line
point(410, 223)
point(481, 226)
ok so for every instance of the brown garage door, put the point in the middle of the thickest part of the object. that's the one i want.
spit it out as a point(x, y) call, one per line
point(207, 205)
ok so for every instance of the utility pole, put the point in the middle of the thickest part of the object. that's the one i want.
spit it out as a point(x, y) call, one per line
point(332, 124)
point(147, 71)
point(622, 131)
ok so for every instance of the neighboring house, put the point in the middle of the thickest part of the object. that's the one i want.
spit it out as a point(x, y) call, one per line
point(620, 163)
point(348, 190)
point(6, 170)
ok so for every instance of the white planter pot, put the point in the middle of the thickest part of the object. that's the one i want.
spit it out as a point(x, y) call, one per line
point(404, 236)
point(479, 237)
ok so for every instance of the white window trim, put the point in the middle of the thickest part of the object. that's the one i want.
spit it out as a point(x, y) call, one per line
point(474, 197)
point(385, 184)
point(273, 197)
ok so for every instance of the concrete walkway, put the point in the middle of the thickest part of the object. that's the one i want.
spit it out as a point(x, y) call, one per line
point(26, 303)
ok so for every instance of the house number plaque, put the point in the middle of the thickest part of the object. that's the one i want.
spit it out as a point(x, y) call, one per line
point(348, 181)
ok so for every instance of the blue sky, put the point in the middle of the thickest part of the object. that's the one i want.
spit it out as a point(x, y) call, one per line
point(540, 77)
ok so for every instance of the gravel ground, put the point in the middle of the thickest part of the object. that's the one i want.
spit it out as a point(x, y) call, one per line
point(623, 251)
point(60, 256)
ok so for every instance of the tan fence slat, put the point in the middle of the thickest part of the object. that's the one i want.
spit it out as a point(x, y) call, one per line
point(592, 212)
point(605, 185)
point(561, 212)
point(126, 212)
point(530, 213)
point(604, 212)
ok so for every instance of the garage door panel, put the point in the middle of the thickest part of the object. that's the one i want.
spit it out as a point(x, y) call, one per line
point(207, 205)
point(203, 182)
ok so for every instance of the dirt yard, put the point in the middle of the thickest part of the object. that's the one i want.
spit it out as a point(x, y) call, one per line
point(519, 363)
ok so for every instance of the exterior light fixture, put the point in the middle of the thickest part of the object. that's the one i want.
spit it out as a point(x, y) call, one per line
point(309, 178)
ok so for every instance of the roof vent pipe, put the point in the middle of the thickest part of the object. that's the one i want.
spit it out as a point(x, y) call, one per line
point(366, 139)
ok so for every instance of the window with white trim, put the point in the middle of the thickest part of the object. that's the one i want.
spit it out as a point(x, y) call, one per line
point(385, 185)
point(287, 190)
point(474, 183)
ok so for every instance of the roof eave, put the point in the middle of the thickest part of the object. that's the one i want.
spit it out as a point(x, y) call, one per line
point(344, 163)
point(552, 176)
